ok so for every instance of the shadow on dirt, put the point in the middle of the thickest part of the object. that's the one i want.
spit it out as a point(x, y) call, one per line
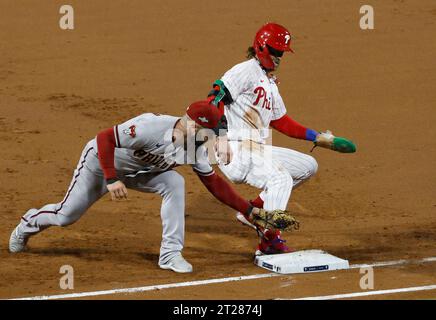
point(385, 245)
point(150, 257)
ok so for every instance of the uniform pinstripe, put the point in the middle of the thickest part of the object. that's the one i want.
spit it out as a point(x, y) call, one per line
point(273, 169)
point(256, 102)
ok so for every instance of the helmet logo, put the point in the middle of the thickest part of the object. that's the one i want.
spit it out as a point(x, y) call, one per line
point(203, 119)
point(287, 38)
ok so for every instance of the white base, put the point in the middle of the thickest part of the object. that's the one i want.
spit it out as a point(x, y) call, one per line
point(301, 262)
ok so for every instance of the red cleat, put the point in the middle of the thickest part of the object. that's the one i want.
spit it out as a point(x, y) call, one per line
point(271, 243)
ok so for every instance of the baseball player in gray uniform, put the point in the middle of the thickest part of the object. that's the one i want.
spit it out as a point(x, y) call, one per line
point(140, 154)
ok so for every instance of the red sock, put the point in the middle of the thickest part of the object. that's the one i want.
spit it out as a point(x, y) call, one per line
point(258, 202)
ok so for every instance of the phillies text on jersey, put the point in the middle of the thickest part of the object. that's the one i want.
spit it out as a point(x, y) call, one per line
point(256, 101)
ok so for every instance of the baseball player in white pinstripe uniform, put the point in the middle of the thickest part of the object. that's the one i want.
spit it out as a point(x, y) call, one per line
point(252, 104)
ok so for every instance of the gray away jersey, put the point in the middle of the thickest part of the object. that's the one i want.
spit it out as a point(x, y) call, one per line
point(144, 145)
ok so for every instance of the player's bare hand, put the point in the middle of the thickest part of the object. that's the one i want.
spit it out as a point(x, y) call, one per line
point(117, 190)
point(255, 211)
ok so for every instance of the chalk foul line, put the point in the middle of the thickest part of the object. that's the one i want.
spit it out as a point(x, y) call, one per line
point(212, 281)
point(367, 293)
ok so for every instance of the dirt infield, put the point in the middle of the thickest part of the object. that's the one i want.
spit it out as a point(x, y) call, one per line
point(59, 88)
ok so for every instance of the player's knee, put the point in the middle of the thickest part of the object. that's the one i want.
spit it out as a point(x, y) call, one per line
point(313, 165)
point(178, 182)
point(66, 220)
point(287, 180)
point(175, 184)
point(308, 168)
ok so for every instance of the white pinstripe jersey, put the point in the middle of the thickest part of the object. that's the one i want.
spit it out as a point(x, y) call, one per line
point(144, 144)
point(256, 101)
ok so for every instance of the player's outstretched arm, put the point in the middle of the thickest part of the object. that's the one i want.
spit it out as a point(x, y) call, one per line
point(293, 129)
point(106, 156)
point(223, 191)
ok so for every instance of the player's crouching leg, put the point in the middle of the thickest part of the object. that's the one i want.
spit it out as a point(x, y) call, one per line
point(172, 190)
point(301, 166)
point(35, 221)
point(306, 168)
point(170, 185)
point(312, 165)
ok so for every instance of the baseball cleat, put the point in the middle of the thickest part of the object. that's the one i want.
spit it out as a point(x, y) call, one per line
point(177, 264)
point(272, 243)
point(17, 241)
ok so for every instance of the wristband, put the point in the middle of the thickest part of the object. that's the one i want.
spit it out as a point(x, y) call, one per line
point(111, 180)
point(249, 210)
point(311, 134)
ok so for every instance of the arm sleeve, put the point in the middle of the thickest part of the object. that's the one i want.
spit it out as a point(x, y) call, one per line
point(224, 192)
point(293, 129)
point(132, 134)
point(106, 153)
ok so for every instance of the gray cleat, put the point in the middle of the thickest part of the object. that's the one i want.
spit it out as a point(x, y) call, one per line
point(177, 264)
point(17, 241)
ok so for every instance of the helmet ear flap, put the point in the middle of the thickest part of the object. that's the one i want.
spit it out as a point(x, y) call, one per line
point(265, 50)
point(263, 55)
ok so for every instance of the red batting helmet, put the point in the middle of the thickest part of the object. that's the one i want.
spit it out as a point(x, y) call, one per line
point(275, 36)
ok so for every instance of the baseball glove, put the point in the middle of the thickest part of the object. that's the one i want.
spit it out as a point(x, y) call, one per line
point(329, 141)
point(276, 219)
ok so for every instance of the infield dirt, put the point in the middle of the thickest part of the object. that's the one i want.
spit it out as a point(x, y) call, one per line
point(59, 88)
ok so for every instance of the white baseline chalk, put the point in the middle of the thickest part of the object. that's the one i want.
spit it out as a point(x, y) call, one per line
point(207, 281)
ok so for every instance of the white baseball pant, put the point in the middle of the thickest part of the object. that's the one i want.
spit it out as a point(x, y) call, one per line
point(273, 169)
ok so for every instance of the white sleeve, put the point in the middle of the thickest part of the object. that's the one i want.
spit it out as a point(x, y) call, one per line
point(134, 133)
point(202, 165)
point(279, 108)
point(237, 80)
